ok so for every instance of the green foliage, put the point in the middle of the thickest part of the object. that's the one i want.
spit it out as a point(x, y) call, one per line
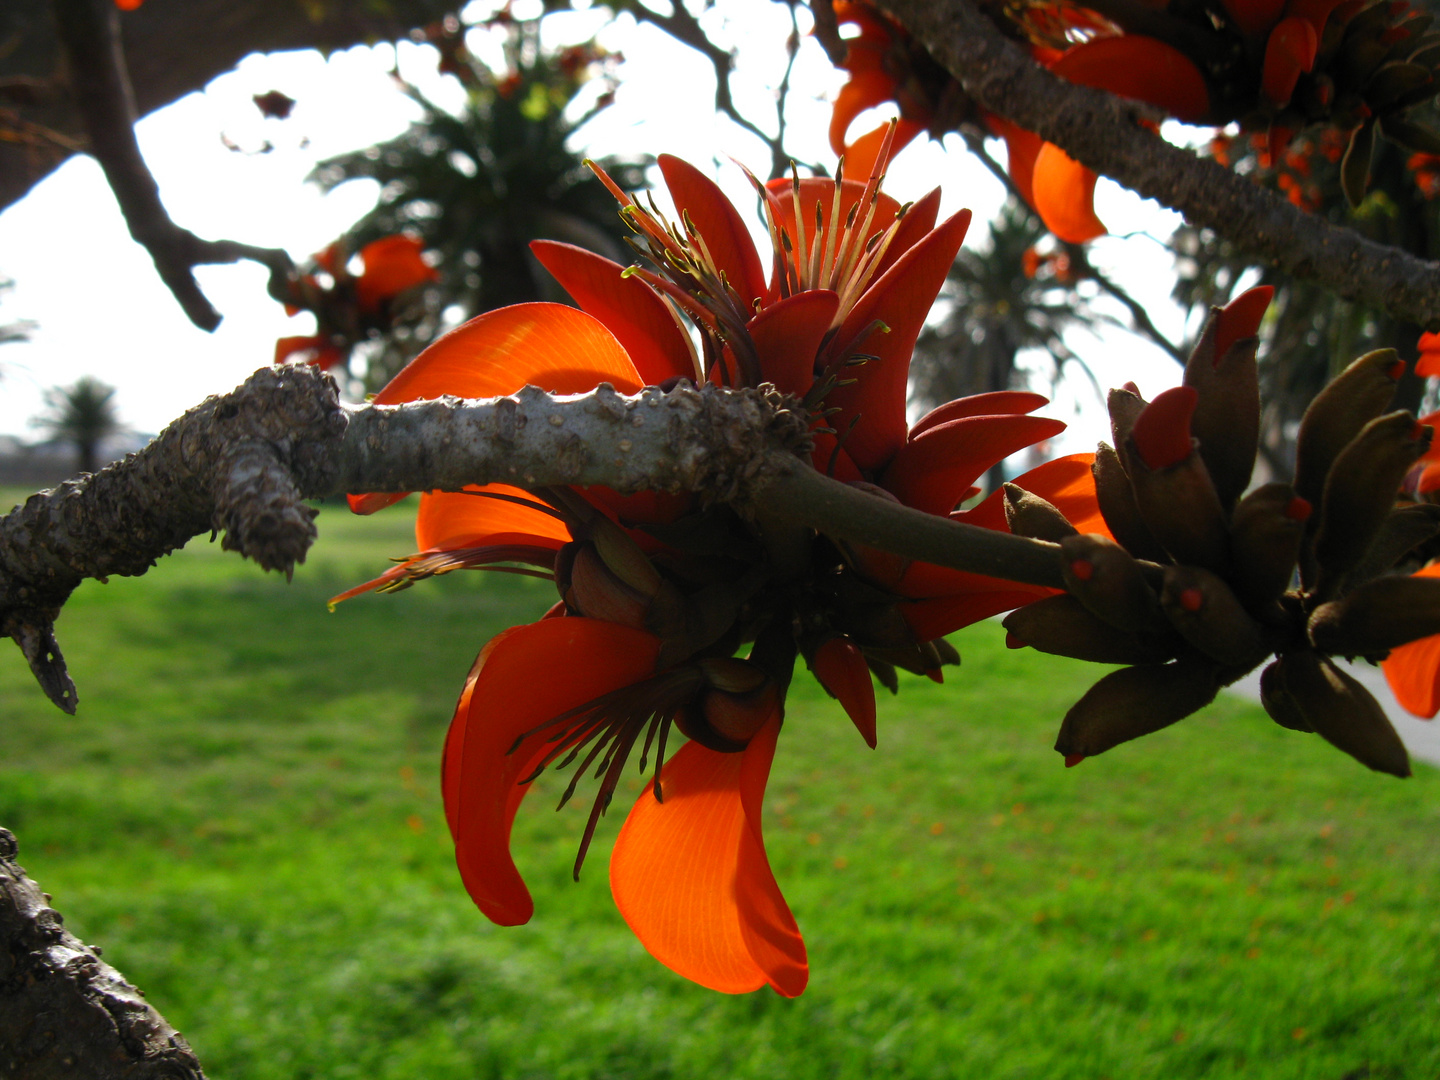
point(479, 185)
point(245, 814)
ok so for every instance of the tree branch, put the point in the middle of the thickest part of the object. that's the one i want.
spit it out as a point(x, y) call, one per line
point(1100, 131)
point(243, 464)
point(64, 1013)
point(90, 33)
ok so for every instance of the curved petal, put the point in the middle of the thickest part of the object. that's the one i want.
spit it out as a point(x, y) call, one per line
point(1289, 51)
point(840, 667)
point(514, 688)
point(787, 337)
point(862, 155)
point(552, 346)
point(1063, 193)
point(933, 472)
point(392, 264)
point(1141, 68)
point(917, 223)
point(450, 519)
point(1413, 672)
point(992, 404)
point(1021, 149)
point(691, 878)
point(900, 298)
point(975, 598)
point(728, 240)
point(869, 85)
point(629, 308)
point(1254, 16)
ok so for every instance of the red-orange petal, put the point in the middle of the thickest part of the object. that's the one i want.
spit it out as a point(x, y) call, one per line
point(862, 154)
point(629, 308)
point(1413, 670)
point(1289, 51)
point(1142, 69)
point(1241, 318)
point(691, 878)
point(933, 472)
point(917, 224)
point(1162, 430)
point(841, 669)
point(900, 299)
point(974, 598)
point(991, 404)
point(1063, 194)
point(552, 346)
point(787, 337)
point(392, 264)
point(514, 689)
point(719, 223)
point(450, 519)
point(1068, 484)
point(866, 88)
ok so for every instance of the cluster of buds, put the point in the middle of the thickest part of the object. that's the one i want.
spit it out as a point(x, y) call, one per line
point(1201, 582)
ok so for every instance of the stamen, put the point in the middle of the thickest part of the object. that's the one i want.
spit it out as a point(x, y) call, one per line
point(801, 248)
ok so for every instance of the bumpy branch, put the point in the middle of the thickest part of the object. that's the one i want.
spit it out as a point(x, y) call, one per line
point(1100, 131)
point(63, 1011)
point(243, 464)
point(90, 33)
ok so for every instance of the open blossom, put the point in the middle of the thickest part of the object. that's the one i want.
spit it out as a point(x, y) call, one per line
point(674, 615)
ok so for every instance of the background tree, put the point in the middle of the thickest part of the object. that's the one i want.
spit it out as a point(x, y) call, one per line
point(84, 415)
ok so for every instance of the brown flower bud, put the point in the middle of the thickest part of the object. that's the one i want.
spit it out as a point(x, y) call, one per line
point(1227, 416)
point(1265, 534)
point(1356, 396)
point(1360, 493)
point(1404, 529)
point(1343, 712)
point(1030, 515)
point(1124, 405)
point(1119, 509)
point(598, 593)
point(1378, 616)
point(1210, 617)
point(1136, 701)
point(1182, 509)
point(737, 701)
point(1111, 584)
point(1278, 702)
point(1061, 625)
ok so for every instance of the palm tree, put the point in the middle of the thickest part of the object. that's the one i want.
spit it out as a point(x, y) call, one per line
point(82, 413)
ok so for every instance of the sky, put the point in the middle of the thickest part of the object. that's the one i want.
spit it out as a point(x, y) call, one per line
point(101, 310)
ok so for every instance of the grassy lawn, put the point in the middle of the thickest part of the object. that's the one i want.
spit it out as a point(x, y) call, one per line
point(245, 814)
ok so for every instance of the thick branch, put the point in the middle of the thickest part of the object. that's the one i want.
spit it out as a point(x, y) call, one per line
point(64, 1013)
point(1100, 131)
point(243, 464)
point(90, 32)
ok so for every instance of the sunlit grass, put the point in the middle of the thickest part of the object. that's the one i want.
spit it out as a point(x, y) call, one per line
point(245, 814)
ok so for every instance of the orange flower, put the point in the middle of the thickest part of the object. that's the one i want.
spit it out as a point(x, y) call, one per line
point(1413, 670)
point(352, 307)
point(658, 596)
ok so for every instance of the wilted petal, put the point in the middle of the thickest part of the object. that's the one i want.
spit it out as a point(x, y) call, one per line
point(513, 689)
point(691, 877)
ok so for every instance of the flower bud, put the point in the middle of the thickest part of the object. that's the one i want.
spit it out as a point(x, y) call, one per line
point(1343, 712)
point(1360, 493)
point(1378, 616)
point(1118, 507)
point(1062, 626)
point(1174, 492)
point(1028, 514)
point(1222, 370)
point(736, 703)
point(1124, 405)
point(1136, 701)
point(1405, 528)
point(597, 593)
point(1110, 583)
point(1211, 618)
point(1353, 398)
point(1265, 534)
point(1278, 702)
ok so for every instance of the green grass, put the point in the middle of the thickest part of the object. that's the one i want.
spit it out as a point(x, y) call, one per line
point(245, 815)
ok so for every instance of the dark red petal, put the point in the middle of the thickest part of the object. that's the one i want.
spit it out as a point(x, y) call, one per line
point(787, 337)
point(1241, 318)
point(900, 299)
point(1141, 68)
point(1162, 430)
point(1289, 51)
point(841, 668)
point(933, 472)
point(629, 308)
point(991, 404)
point(719, 223)
point(1254, 16)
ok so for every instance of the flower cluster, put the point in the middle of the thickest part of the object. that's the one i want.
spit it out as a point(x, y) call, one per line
point(348, 308)
point(1198, 586)
point(674, 615)
point(1277, 67)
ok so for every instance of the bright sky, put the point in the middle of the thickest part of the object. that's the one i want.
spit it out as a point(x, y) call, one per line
point(102, 310)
